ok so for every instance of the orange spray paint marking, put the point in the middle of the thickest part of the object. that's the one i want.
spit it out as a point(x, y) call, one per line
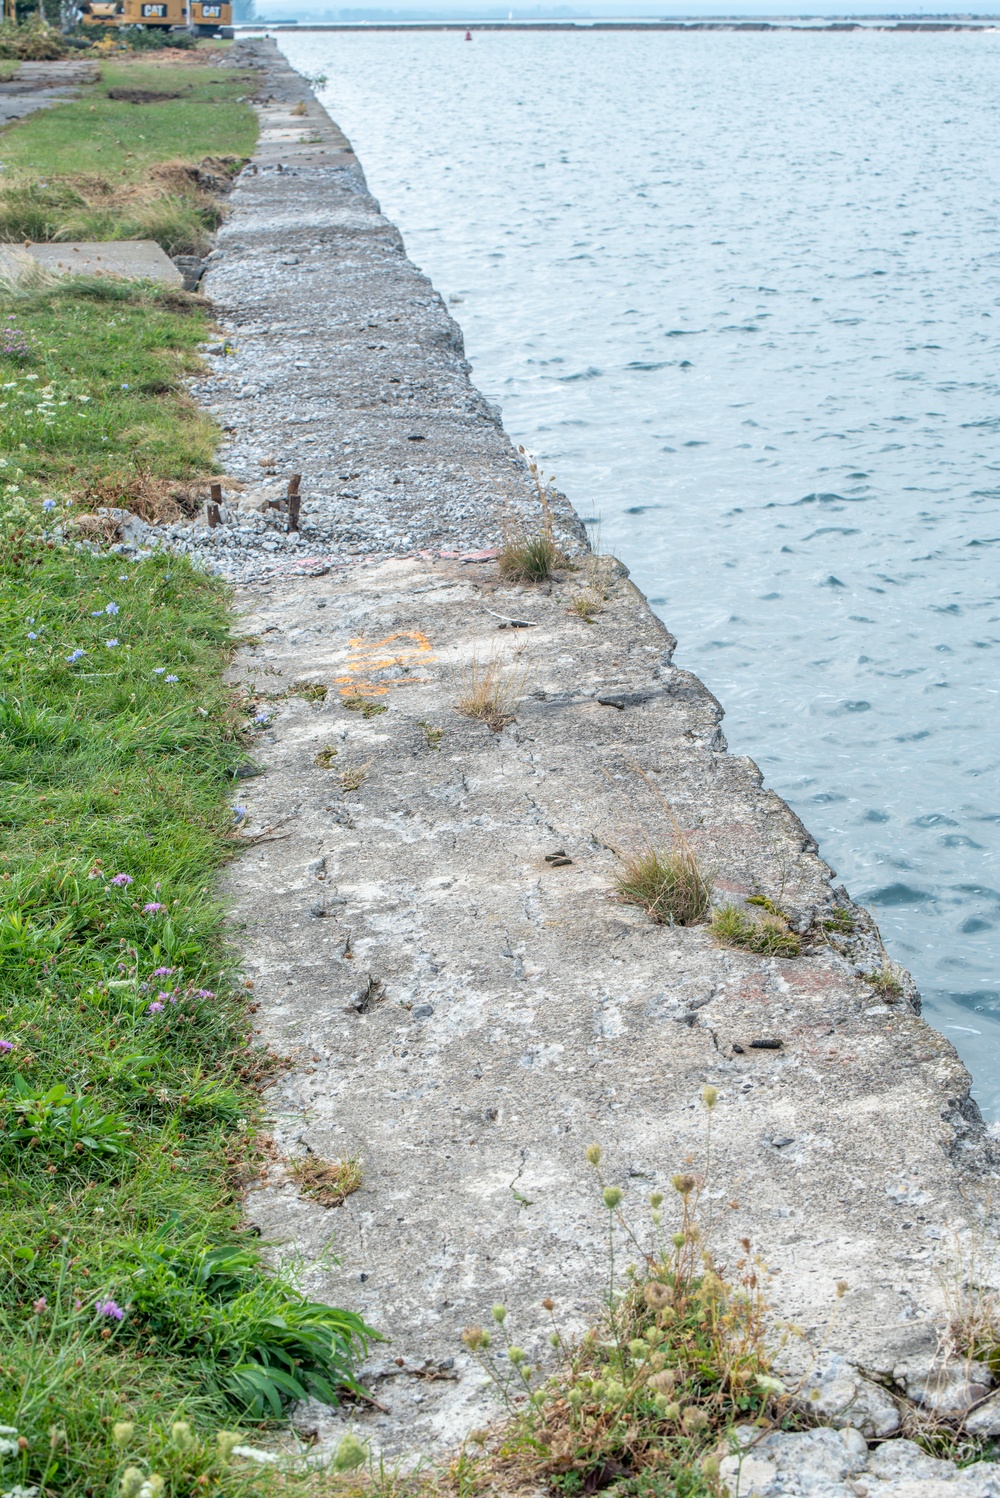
point(366, 659)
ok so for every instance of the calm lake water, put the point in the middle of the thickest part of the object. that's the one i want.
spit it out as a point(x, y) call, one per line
point(741, 293)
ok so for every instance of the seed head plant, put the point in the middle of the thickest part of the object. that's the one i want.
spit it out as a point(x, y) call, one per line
point(531, 554)
point(653, 1392)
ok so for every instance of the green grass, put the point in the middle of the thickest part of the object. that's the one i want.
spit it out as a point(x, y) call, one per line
point(102, 168)
point(111, 356)
point(97, 135)
point(126, 1129)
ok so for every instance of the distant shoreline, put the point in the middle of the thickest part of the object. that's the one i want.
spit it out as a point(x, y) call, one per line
point(991, 23)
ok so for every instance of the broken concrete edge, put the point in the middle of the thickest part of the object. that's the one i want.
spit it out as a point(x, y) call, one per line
point(845, 1393)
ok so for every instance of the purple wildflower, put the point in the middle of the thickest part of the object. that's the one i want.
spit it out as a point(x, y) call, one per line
point(48, 504)
point(111, 608)
point(158, 670)
point(162, 972)
point(152, 907)
point(96, 613)
point(171, 678)
point(239, 812)
point(32, 635)
point(109, 1308)
point(75, 656)
point(111, 644)
point(121, 880)
point(165, 995)
point(155, 1008)
point(204, 993)
point(6, 1045)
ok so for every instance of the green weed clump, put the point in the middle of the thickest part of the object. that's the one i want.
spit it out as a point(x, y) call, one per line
point(646, 1403)
point(528, 557)
point(885, 981)
point(671, 887)
point(131, 1292)
point(770, 936)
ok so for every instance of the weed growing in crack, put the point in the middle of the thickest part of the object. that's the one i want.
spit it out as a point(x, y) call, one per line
point(325, 757)
point(330, 1182)
point(587, 604)
point(672, 887)
point(491, 691)
point(840, 920)
point(527, 556)
point(885, 981)
point(531, 555)
point(354, 777)
point(312, 691)
point(770, 936)
point(431, 734)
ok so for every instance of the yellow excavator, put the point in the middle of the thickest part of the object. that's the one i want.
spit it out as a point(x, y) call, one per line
point(203, 17)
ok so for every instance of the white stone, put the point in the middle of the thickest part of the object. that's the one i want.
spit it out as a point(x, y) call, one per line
point(748, 1476)
point(834, 1390)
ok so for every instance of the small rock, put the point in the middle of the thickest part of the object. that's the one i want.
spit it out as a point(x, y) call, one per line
point(905, 1459)
point(423, 1011)
point(984, 1421)
point(948, 1387)
point(837, 1392)
point(747, 1478)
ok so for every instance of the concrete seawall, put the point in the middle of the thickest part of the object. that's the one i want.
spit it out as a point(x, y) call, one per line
point(457, 1011)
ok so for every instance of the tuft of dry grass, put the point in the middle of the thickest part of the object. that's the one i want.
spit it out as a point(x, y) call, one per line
point(491, 691)
point(770, 936)
point(670, 887)
point(354, 776)
point(330, 1182)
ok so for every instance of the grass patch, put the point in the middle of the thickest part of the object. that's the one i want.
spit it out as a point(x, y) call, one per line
point(670, 887)
point(330, 1182)
point(357, 702)
point(354, 776)
point(96, 406)
point(130, 1290)
point(840, 920)
point(100, 167)
point(528, 557)
point(770, 936)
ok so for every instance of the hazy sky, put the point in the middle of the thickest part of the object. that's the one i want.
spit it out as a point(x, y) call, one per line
point(315, 9)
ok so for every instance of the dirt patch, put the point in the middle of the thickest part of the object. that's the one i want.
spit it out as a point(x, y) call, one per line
point(140, 96)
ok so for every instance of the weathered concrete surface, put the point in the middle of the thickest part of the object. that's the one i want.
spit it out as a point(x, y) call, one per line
point(36, 85)
point(93, 257)
point(467, 1018)
point(458, 1012)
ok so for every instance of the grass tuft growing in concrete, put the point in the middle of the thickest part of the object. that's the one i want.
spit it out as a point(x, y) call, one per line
point(670, 887)
point(769, 936)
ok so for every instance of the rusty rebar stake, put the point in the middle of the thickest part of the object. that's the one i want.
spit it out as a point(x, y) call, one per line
point(294, 502)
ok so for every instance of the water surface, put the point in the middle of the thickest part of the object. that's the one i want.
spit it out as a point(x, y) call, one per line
point(742, 295)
